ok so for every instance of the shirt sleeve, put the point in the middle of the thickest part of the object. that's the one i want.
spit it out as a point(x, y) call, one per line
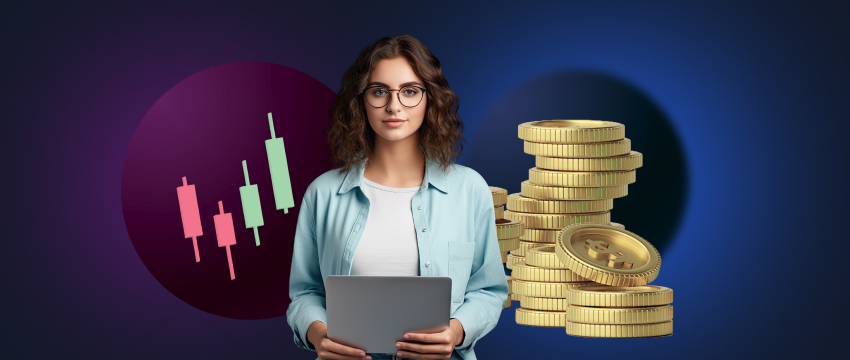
point(487, 289)
point(306, 285)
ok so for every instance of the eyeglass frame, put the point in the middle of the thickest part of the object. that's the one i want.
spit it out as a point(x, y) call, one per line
point(362, 93)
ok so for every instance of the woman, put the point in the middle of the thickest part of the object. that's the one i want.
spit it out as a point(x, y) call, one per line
point(399, 205)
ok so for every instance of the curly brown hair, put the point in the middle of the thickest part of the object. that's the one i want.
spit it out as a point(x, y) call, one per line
point(351, 138)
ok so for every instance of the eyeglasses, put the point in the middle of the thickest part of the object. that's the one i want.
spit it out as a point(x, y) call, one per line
point(379, 96)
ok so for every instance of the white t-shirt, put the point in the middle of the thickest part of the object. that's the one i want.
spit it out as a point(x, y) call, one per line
point(388, 245)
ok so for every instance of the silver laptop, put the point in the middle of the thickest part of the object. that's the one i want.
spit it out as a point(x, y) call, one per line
point(373, 312)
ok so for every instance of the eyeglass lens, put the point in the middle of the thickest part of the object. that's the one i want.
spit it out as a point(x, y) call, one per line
point(408, 96)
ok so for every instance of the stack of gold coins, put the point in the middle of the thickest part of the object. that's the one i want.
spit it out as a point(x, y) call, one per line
point(625, 306)
point(510, 292)
point(500, 197)
point(507, 231)
point(580, 167)
point(619, 312)
point(541, 287)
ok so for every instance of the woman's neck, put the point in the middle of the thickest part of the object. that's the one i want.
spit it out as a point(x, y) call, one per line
point(398, 164)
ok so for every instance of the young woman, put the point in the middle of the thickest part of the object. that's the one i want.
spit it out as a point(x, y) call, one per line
point(398, 206)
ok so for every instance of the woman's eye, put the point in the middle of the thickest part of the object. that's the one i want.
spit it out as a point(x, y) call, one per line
point(379, 92)
point(411, 91)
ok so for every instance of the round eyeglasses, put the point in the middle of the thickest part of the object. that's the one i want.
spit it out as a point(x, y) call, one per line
point(408, 96)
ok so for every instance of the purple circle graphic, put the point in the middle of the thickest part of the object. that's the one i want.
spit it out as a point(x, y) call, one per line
point(203, 128)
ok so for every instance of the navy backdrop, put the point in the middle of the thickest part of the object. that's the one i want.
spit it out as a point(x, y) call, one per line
point(743, 106)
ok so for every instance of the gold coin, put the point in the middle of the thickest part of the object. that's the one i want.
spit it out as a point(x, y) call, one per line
point(523, 271)
point(630, 161)
point(508, 244)
point(557, 221)
point(511, 260)
point(508, 301)
point(510, 285)
point(543, 236)
point(524, 246)
point(508, 228)
point(504, 256)
point(571, 131)
point(620, 297)
point(527, 189)
point(619, 316)
point(546, 289)
point(538, 303)
point(619, 331)
point(544, 257)
point(499, 195)
point(616, 225)
point(500, 211)
point(516, 202)
point(544, 177)
point(590, 150)
point(540, 318)
point(608, 255)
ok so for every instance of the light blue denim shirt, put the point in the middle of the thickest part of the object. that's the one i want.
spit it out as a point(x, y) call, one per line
point(456, 234)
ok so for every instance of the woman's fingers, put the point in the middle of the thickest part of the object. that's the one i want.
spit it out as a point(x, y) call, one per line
point(415, 355)
point(339, 351)
point(334, 356)
point(425, 348)
point(439, 347)
point(440, 337)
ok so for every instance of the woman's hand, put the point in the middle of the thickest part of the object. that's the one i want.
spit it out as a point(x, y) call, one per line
point(431, 346)
point(317, 335)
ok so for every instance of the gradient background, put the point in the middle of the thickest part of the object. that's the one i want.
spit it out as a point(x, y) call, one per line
point(756, 96)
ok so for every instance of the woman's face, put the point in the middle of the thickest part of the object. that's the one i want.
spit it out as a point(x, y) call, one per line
point(394, 74)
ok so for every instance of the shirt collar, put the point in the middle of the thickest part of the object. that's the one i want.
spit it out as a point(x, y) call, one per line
point(433, 176)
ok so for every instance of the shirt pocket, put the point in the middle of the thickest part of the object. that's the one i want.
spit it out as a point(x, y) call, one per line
point(461, 254)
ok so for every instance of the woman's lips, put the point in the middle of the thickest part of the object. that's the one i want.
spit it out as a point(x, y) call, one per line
point(394, 124)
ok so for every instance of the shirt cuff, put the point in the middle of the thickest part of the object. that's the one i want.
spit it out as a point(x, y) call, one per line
point(302, 322)
point(472, 321)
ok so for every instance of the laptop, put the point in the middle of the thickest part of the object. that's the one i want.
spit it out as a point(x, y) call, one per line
point(372, 313)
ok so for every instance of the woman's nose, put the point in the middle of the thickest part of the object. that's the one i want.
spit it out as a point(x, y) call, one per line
point(394, 105)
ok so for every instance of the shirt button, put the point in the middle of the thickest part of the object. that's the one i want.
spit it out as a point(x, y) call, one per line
point(427, 263)
point(423, 229)
point(419, 208)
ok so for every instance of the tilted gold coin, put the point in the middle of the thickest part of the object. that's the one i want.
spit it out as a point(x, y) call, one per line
point(508, 301)
point(511, 260)
point(589, 150)
point(557, 221)
point(619, 331)
point(538, 303)
point(544, 257)
point(616, 225)
point(523, 271)
point(504, 256)
point(544, 177)
point(619, 316)
point(499, 211)
point(540, 318)
point(517, 202)
point(608, 255)
point(619, 296)
point(509, 228)
point(571, 131)
point(499, 195)
point(524, 246)
point(545, 289)
point(630, 161)
point(510, 285)
point(527, 189)
point(508, 244)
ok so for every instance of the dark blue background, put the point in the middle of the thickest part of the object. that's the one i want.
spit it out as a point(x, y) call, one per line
point(756, 94)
